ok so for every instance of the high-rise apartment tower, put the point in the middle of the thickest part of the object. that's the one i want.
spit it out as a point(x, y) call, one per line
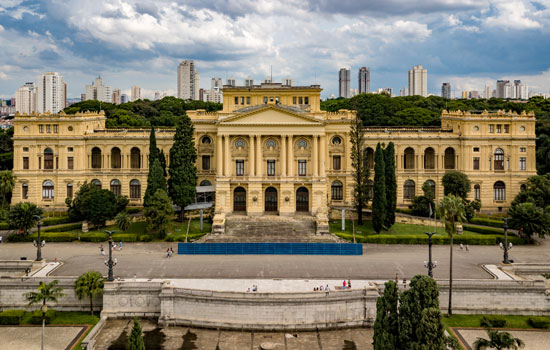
point(418, 81)
point(364, 80)
point(344, 89)
point(446, 90)
point(50, 93)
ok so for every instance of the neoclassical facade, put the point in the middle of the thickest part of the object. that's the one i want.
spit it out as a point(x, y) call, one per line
point(272, 150)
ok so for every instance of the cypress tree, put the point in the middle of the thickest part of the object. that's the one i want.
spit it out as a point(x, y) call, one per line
point(136, 338)
point(153, 150)
point(379, 200)
point(182, 169)
point(155, 181)
point(360, 169)
point(391, 185)
point(386, 326)
point(162, 159)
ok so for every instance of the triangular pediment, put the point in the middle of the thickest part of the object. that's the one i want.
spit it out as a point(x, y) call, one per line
point(270, 115)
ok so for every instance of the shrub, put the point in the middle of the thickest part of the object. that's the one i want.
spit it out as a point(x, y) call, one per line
point(487, 222)
point(470, 239)
point(64, 228)
point(539, 322)
point(4, 226)
point(55, 221)
point(404, 211)
point(93, 237)
point(54, 236)
point(14, 238)
point(125, 237)
point(492, 321)
point(483, 230)
point(145, 238)
point(134, 210)
point(11, 317)
point(36, 317)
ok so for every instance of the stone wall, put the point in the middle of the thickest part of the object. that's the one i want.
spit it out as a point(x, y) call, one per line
point(13, 290)
point(132, 298)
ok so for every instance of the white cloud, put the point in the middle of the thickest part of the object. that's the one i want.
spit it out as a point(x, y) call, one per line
point(3, 75)
point(512, 14)
point(396, 31)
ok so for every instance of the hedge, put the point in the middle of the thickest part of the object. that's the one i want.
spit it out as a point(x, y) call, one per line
point(423, 239)
point(11, 317)
point(125, 237)
point(483, 230)
point(55, 220)
point(4, 226)
point(36, 317)
point(145, 238)
point(64, 228)
point(404, 211)
point(492, 321)
point(53, 236)
point(93, 237)
point(539, 322)
point(134, 210)
point(487, 222)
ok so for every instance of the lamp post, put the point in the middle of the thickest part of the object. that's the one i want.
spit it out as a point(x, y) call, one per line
point(110, 263)
point(505, 247)
point(429, 264)
point(38, 243)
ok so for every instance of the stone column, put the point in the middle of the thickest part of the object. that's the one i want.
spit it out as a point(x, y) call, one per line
point(283, 155)
point(290, 156)
point(315, 155)
point(347, 155)
point(323, 148)
point(251, 156)
point(219, 156)
point(227, 157)
point(259, 165)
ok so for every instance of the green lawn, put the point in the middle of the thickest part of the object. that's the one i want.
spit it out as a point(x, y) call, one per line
point(512, 321)
point(396, 229)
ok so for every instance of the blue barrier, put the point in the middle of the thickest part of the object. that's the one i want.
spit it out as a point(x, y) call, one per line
point(270, 249)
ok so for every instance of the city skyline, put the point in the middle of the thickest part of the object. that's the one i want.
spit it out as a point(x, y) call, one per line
point(468, 43)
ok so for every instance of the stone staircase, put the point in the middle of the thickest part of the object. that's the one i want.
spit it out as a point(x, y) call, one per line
point(270, 228)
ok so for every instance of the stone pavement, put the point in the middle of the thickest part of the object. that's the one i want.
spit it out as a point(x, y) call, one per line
point(29, 337)
point(533, 339)
point(115, 334)
point(378, 262)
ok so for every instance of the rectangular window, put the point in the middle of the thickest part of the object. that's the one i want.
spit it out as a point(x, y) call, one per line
point(476, 163)
point(336, 162)
point(242, 100)
point(25, 191)
point(25, 149)
point(491, 128)
point(48, 128)
point(522, 163)
point(55, 128)
point(302, 167)
point(499, 128)
point(477, 192)
point(70, 163)
point(69, 149)
point(247, 100)
point(306, 100)
point(236, 100)
point(69, 190)
point(506, 128)
point(41, 128)
point(205, 162)
point(265, 100)
point(294, 100)
point(239, 167)
point(476, 149)
point(300, 101)
point(39, 163)
point(271, 167)
point(523, 149)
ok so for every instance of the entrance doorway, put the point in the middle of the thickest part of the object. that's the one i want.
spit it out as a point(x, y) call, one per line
point(302, 200)
point(270, 199)
point(239, 199)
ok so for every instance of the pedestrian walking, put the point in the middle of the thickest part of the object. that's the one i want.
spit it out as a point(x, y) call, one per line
point(171, 251)
point(467, 249)
point(120, 246)
point(1, 239)
point(101, 250)
point(461, 246)
point(167, 252)
point(349, 284)
point(344, 284)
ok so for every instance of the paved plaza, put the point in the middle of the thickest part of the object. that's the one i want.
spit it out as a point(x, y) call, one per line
point(533, 339)
point(148, 260)
point(29, 337)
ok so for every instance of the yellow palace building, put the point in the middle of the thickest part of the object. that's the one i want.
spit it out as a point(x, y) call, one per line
point(272, 150)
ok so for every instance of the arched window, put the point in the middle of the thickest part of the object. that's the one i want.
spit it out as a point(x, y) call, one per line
point(97, 183)
point(206, 140)
point(336, 140)
point(408, 162)
point(96, 158)
point(47, 189)
point(135, 189)
point(69, 190)
point(205, 183)
point(431, 183)
point(135, 158)
point(499, 191)
point(25, 191)
point(116, 187)
point(429, 158)
point(336, 191)
point(523, 187)
point(115, 158)
point(48, 158)
point(369, 158)
point(302, 143)
point(271, 143)
point(477, 192)
point(450, 158)
point(408, 189)
point(499, 159)
point(240, 143)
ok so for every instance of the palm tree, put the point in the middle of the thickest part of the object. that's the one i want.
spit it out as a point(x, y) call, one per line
point(46, 293)
point(23, 216)
point(7, 183)
point(89, 285)
point(499, 341)
point(451, 210)
point(123, 220)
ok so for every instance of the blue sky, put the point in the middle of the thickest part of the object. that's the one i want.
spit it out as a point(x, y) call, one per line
point(467, 42)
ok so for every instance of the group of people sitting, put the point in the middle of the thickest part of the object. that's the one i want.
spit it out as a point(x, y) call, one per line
point(345, 285)
point(254, 288)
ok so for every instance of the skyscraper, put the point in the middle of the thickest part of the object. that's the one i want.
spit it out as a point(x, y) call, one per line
point(50, 93)
point(136, 93)
point(487, 94)
point(188, 81)
point(344, 89)
point(503, 89)
point(446, 90)
point(99, 91)
point(25, 99)
point(418, 81)
point(364, 80)
point(215, 94)
point(117, 97)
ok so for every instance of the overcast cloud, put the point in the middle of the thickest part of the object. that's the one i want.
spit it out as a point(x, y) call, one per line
point(466, 42)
